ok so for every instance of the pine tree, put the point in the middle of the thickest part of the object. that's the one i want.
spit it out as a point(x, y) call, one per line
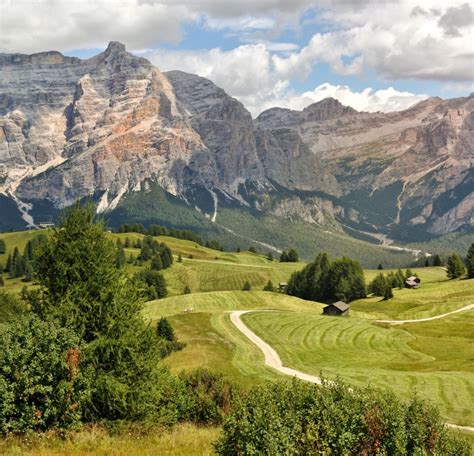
point(293, 256)
point(81, 288)
point(247, 286)
point(388, 293)
point(8, 266)
point(156, 263)
point(455, 266)
point(238, 249)
point(379, 285)
point(380, 267)
point(427, 263)
point(180, 258)
point(269, 286)
point(270, 256)
point(120, 258)
point(470, 262)
point(437, 260)
point(127, 244)
point(3, 246)
point(2, 283)
point(252, 250)
point(284, 257)
point(187, 290)
point(164, 330)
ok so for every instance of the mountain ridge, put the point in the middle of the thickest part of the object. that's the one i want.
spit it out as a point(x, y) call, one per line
point(103, 127)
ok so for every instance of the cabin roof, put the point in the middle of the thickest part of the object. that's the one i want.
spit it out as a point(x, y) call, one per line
point(340, 305)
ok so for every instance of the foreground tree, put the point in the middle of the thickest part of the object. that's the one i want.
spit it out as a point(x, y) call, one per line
point(82, 289)
point(455, 266)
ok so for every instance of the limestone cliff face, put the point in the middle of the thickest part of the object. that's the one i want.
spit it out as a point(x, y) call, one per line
point(105, 126)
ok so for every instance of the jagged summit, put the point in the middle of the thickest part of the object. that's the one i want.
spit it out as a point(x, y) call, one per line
point(107, 126)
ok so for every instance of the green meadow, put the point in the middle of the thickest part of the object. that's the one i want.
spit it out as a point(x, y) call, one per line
point(434, 359)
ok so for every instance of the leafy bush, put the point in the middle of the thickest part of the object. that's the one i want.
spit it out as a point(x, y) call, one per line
point(304, 419)
point(208, 397)
point(43, 381)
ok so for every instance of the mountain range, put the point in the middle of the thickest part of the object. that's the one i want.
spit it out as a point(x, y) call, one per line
point(174, 148)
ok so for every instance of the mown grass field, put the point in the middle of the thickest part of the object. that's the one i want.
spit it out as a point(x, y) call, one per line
point(435, 358)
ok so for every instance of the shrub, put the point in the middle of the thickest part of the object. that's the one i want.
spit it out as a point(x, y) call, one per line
point(208, 397)
point(247, 286)
point(43, 382)
point(301, 418)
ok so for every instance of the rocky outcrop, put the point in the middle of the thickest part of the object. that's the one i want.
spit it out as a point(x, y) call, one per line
point(105, 126)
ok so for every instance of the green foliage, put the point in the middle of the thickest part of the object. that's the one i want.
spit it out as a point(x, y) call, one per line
point(252, 250)
point(83, 290)
point(437, 260)
point(378, 285)
point(3, 246)
point(325, 280)
point(208, 397)
point(11, 308)
point(300, 418)
point(455, 266)
point(43, 379)
point(293, 256)
point(247, 286)
point(164, 330)
point(388, 293)
point(152, 284)
point(380, 267)
point(187, 290)
point(284, 257)
point(470, 262)
point(270, 256)
point(269, 286)
point(159, 253)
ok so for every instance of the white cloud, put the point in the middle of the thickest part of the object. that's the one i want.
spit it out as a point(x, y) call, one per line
point(32, 26)
point(249, 74)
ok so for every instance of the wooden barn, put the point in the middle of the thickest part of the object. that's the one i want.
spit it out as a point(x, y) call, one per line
point(412, 282)
point(337, 309)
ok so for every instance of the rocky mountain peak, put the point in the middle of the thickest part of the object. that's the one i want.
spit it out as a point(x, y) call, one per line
point(327, 109)
point(114, 48)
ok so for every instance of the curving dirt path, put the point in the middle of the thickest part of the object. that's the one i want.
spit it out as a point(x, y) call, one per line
point(271, 356)
point(272, 359)
point(419, 320)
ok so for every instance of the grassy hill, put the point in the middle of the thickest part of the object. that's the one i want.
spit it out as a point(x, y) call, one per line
point(431, 357)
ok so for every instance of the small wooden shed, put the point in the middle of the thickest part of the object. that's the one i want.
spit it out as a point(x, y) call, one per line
point(412, 282)
point(337, 309)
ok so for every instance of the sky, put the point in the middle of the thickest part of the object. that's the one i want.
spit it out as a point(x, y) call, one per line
point(373, 55)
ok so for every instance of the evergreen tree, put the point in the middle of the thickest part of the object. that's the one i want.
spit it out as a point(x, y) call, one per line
point(252, 250)
point(270, 256)
point(427, 262)
point(8, 266)
point(408, 273)
point(29, 272)
point(380, 267)
point(81, 288)
point(400, 279)
point(3, 246)
point(127, 244)
point(379, 285)
point(187, 290)
point(238, 249)
point(388, 293)
point(269, 286)
point(437, 260)
point(284, 257)
point(455, 266)
point(180, 258)
point(164, 330)
point(293, 256)
point(156, 263)
point(470, 262)
point(247, 286)
point(2, 283)
point(120, 258)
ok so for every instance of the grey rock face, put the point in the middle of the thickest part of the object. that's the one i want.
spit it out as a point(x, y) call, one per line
point(102, 127)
